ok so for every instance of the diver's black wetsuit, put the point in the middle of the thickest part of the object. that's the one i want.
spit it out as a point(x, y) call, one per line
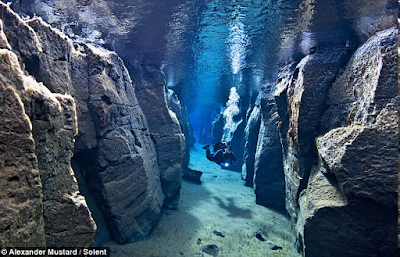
point(217, 157)
point(222, 155)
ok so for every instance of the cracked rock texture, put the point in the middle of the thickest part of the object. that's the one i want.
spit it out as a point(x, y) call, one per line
point(21, 212)
point(342, 189)
point(165, 131)
point(52, 125)
point(338, 121)
point(269, 181)
point(359, 156)
point(251, 137)
point(84, 111)
point(181, 113)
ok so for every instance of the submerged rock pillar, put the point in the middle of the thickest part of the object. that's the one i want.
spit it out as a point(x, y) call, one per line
point(251, 137)
point(269, 181)
point(165, 131)
point(181, 113)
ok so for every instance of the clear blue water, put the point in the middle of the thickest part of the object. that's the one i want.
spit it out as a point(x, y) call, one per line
point(218, 45)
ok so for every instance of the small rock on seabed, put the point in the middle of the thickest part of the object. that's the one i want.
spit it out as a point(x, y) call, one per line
point(261, 235)
point(219, 233)
point(211, 250)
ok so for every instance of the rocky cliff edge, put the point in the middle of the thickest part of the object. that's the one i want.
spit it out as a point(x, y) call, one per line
point(64, 103)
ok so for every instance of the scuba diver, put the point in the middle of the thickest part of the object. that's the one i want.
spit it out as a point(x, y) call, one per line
point(222, 154)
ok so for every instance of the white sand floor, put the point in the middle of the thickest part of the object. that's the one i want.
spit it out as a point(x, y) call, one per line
point(221, 203)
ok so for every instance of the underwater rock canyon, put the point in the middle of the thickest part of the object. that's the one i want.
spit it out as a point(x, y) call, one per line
point(317, 141)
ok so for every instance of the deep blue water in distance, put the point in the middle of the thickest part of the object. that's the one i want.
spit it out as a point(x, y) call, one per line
point(218, 45)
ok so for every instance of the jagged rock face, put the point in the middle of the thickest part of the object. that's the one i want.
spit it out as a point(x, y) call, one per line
point(363, 106)
point(302, 88)
point(118, 158)
point(21, 212)
point(113, 147)
point(53, 126)
point(269, 183)
point(53, 118)
point(360, 156)
point(181, 113)
point(359, 101)
point(165, 132)
point(340, 139)
point(251, 137)
point(117, 32)
point(302, 95)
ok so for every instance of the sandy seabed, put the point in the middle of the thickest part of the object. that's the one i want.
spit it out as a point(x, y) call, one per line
point(222, 203)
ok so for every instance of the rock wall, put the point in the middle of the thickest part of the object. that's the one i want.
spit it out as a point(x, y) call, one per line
point(137, 47)
point(116, 155)
point(360, 152)
point(52, 123)
point(398, 118)
point(339, 135)
point(304, 96)
point(181, 113)
point(53, 119)
point(22, 223)
point(338, 123)
point(165, 131)
point(251, 137)
point(113, 148)
point(269, 181)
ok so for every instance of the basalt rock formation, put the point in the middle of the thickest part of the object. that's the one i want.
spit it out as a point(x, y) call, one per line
point(85, 112)
point(114, 32)
point(269, 182)
point(22, 223)
point(181, 113)
point(41, 201)
point(165, 131)
point(251, 137)
point(358, 156)
point(337, 115)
